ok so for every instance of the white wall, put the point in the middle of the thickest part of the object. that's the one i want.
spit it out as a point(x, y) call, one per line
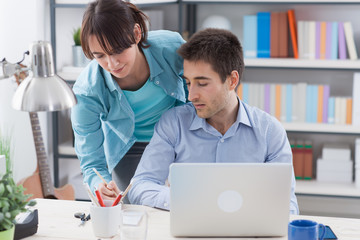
point(21, 22)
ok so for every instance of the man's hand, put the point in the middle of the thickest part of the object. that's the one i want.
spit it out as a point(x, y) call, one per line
point(109, 191)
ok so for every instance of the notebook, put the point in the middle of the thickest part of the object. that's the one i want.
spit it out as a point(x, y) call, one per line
point(229, 199)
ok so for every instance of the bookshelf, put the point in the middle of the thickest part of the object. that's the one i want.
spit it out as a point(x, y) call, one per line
point(337, 73)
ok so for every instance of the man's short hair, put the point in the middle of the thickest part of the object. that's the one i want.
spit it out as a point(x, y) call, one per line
point(218, 47)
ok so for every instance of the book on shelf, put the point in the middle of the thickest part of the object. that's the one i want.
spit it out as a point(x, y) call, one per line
point(250, 36)
point(300, 102)
point(298, 158)
point(283, 35)
point(334, 40)
point(274, 34)
point(356, 100)
point(341, 41)
point(293, 32)
point(322, 40)
point(325, 107)
point(263, 34)
point(350, 42)
point(283, 103)
point(308, 160)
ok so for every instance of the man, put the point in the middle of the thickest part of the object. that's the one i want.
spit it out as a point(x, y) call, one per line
point(215, 127)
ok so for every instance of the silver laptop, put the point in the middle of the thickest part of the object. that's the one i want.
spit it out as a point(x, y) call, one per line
point(229, 199)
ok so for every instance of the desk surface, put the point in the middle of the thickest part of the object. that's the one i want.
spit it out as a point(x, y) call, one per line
point(56, 221)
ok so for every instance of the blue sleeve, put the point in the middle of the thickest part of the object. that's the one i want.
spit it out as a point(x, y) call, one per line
point(152, 172)
point(280, 151)
point(89, 137)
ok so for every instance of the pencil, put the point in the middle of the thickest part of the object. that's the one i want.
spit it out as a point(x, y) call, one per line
point(101, 202)
point(104, 181)
point(99, 175)
point(91, 195)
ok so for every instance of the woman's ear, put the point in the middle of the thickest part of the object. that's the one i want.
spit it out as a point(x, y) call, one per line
point(137, 33)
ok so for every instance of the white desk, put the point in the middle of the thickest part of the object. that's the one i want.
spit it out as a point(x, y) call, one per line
point(57, 221)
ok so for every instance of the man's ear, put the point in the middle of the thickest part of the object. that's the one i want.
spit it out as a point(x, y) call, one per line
point(233, 79)
point(137, 33)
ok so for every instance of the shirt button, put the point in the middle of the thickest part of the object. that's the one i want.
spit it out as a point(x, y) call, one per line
point(165, 204)
point(172, 94)
point(157, 82)
point(222, 140)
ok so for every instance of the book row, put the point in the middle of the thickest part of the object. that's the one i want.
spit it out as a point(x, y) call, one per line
point(278, 34)
point(301, 102)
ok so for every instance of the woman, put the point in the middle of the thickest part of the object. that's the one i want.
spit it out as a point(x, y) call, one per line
point(135, 77)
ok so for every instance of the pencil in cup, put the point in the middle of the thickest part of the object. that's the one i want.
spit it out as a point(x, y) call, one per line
point(91, 195)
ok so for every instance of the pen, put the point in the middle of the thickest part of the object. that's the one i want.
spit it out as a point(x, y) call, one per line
point(91, 195)
point(101, 202)
point(122, 194)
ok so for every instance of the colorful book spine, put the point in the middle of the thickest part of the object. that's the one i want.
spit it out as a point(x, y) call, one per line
point(278, 101)
point(293, 32)
point(317, 39)
point(342, 42)
point(349, 36)
point(308, 160)
point(356, 100)
point(263, 34)
point(323, 40)
point(311, 39)
point(326, 95)
point(289, 98)
point(315, 103)
point(250, 36)
point(274, 34)
point(328, 37)
point(331, 110)
point(334, 40)
point(320, 103)
point(348, 111)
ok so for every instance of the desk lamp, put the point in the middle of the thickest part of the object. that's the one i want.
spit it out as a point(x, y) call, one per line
point(43, 90)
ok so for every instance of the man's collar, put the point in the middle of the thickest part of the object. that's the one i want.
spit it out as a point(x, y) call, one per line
point(242, 117)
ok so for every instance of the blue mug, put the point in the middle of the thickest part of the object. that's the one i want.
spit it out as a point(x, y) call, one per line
point(305, 230)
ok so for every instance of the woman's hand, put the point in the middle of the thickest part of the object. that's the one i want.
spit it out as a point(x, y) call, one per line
point(109, 191)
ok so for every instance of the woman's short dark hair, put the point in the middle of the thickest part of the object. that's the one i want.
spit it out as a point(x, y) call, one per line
point(220, 48)
point(112, 22)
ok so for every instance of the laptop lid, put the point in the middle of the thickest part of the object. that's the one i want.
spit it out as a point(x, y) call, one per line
point(229, 199)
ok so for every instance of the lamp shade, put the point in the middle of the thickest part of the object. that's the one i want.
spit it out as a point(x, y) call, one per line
point(43, 91)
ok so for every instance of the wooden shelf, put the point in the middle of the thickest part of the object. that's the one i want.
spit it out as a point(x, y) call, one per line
point(321, 128)
point(313, 187)
point(302, 63)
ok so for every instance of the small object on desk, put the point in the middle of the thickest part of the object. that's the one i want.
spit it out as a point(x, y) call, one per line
point(27, 225)
point(82, 217)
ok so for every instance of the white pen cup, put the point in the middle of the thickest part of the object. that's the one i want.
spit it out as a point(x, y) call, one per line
point(133, 225)
point(105, 220)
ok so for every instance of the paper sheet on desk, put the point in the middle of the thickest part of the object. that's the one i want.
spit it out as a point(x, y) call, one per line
point(132, 218)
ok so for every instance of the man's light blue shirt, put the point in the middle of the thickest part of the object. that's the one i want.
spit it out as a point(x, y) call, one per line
point(181, 136)
point(103, 120)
